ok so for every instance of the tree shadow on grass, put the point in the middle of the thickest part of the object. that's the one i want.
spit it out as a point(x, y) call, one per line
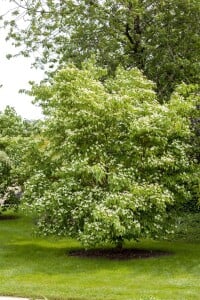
point(53, 259)
point(119, 254)
point(40, 250)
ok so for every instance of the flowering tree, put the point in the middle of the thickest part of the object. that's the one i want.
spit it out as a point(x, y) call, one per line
point(113, 160)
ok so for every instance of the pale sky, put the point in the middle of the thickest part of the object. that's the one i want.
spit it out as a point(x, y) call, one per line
point(14, 75)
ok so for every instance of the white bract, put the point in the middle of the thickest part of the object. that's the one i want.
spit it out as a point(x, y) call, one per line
point(114, 161)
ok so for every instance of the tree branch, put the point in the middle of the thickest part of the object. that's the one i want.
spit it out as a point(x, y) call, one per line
point(127, 33)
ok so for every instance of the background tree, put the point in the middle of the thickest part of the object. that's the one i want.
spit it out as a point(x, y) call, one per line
point(4, 174)
point(162, 38)
point(14, 140)
point(114, 160)
point(192, 92)
point(9, 122)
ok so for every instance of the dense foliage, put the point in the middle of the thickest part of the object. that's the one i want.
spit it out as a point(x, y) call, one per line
point(160, 37)
point(14, 135)
point(110, 162)
point(4, 172)
point(112, 159)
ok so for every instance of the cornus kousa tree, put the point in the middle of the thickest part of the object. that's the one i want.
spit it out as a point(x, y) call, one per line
point(114, 159)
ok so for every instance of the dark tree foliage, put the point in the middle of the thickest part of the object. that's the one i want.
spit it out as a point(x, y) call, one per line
point(160, 37)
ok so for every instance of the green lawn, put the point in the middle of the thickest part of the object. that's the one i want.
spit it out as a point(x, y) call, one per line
point(38, 268)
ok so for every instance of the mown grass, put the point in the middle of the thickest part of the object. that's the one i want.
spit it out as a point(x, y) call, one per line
point(41, 268)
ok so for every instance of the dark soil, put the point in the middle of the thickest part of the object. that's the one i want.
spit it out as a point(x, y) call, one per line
point(118, 254)
point(8, 217)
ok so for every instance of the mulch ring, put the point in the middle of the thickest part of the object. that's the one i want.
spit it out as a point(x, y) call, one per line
point(8, 217)
point(118, 254)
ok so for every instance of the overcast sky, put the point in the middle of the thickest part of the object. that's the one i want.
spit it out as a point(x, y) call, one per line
point(14, 75)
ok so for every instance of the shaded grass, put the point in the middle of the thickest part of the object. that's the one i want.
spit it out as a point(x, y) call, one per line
point(37, 268)
point(188, 227)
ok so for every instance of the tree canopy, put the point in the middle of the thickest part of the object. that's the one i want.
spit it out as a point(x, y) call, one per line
point(14, 139)
point(114, 160)
point(162, 38)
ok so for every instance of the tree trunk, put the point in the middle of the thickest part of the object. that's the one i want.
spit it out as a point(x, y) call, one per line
point(119, 243)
